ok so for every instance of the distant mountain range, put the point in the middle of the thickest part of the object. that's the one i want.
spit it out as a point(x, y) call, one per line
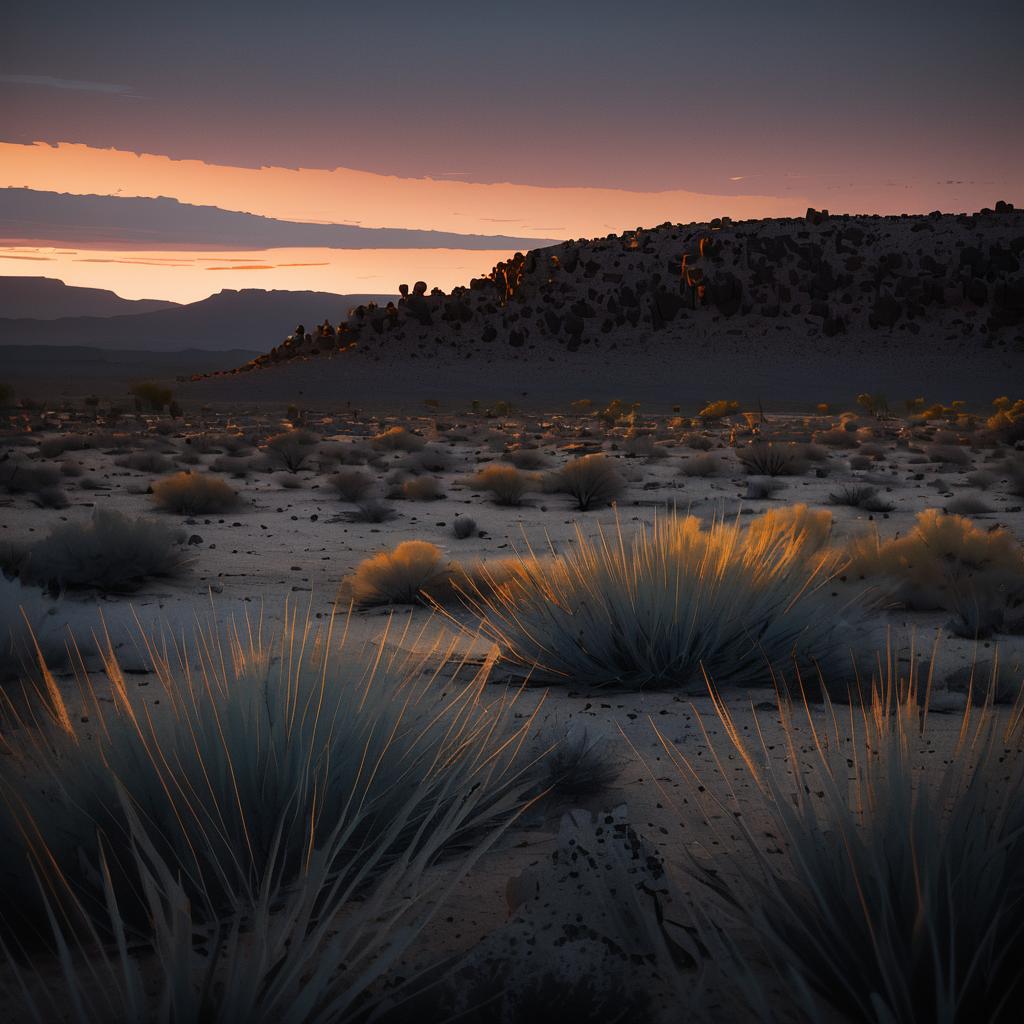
point(46, 298)
point(249, 319)
point(123, 221)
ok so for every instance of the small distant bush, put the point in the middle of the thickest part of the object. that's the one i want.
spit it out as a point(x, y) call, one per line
point(110, 553)
point(718, 410)
point(288, 481)
point(401, 576)
point(233, 465)
point(505, 483)
point(697, 442)
point(948, 455)
point(18, 476)
point(862, 496)
point(397, 439)
point(292, 450)
point(53, 447)
point(836, 437)
point(372, 512)
point(968, 505)
point(645, 447)
point(761, 487)
point(464, 527)
point(580, 767)
point(592, 481)
point(701, 465)
point(421, 488)
point(146, 462)
point(194, 494)
point(427, 460)
point(50, 497)
point(766, 458)
point(351, 484)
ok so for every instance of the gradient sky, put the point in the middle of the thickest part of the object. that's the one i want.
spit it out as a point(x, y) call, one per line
point(860, 107)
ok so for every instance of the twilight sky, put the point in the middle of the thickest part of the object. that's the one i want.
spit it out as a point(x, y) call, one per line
point(400, 115)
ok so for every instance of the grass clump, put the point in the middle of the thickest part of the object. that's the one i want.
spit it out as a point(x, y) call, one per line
point(110, 552)
point(704, 464)
point(145, 462)
point(766, 458)
point(371, 512)
point(266, 854)
point(672, 601)
point(592, 481)
point(506, 484)
point(862, 496)
point(291, 451)
point(464, 527)
point(397, 439)
point(892, 889)
point(194, 494)
point(420, 488)
point(401, 576)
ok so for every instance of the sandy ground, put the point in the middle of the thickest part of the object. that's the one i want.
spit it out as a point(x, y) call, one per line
point(297, 544)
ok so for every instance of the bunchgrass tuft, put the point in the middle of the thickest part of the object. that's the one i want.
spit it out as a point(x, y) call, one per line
point(194, 494)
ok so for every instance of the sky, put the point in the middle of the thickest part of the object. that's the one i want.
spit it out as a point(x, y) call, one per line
point(534, 120)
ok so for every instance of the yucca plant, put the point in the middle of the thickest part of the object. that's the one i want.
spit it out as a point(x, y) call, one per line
point(252, 755)
point(674, 600)
point(893, 888)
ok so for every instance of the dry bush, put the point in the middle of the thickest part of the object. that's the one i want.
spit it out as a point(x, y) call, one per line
point(371, 512)
point(506, 483)
point(401, 576)
point(421, 488)
point(768, 458)
point(761, 487)
point(397, 439)
point(719, 409)
point(983, 479)
point(593, 481)
point(427, 460)
point(234, 465)
point(288, 481)
point(18, 476)
point(145, 462)
point(968, 505)
point(701, 465)
point(110, 552)
point(643, 446)
point(292, 450)
point(862, 496)
point(946, 562)
point(50, 497)
point(948, 455)
point(52, 447)
point(194, 494)
point(351, 484)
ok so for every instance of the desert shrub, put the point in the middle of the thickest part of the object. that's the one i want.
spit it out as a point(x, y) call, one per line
point(427, 460)
point(859, 462)
point(673, 600)
point(243, 793)
point(643, 446)
point(505, 483)
point(194, 494)
point(592, 481)
point(767, 458)
point(464, 527)
point(891, 889)
point(719, 409)
point(968, 505)
point(90, 483)
point(238, 466)
point(52, 447)
point(946, 562)
point(292, 450)
point(110, 552)
point(1014, 470)
point(421, 488)
point(18, 476)
point(288, 481)
point(806, 530)
point(761, 487)
point(983, 479)
point(948, 455)
point(146, 462)
point(527, 458)
point(353, 454)
point(401, 576)
point(70, 469)
point(397, 439)
point(371, 512)
point(855, 496)
point(351, 484)
point(704, 464)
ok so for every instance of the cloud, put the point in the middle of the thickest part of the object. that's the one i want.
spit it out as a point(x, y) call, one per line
point(48, 82)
